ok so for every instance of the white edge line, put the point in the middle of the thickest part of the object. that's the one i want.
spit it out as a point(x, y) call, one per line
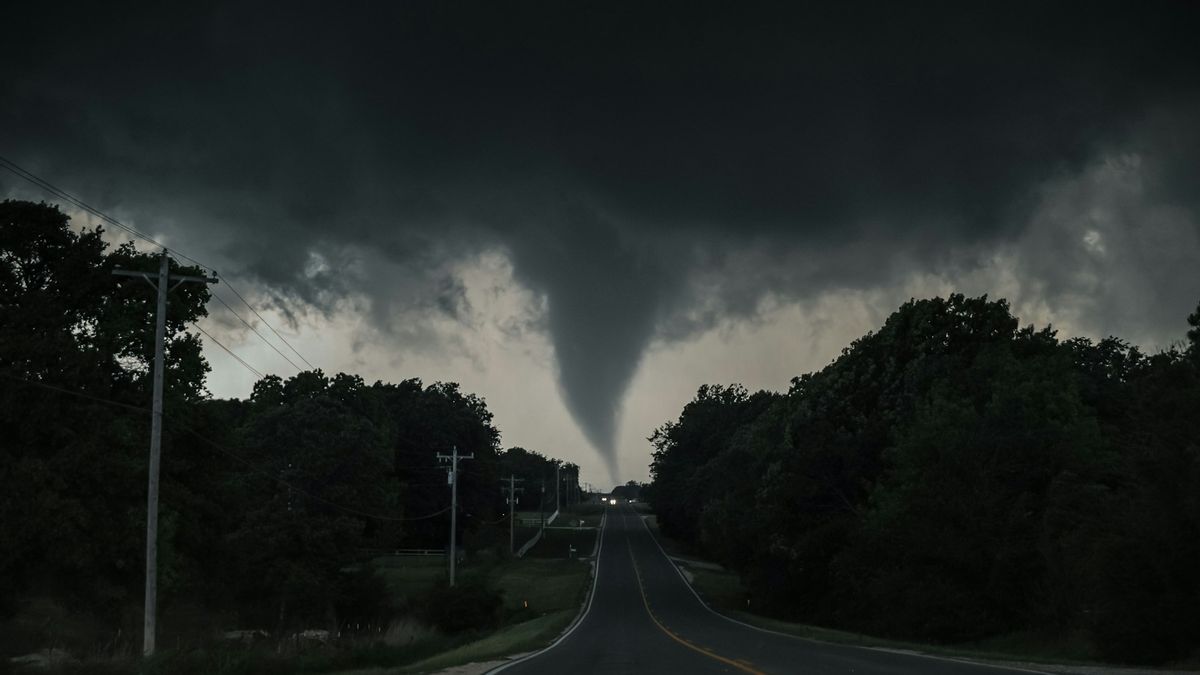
point(578, 619)
point(807, 639)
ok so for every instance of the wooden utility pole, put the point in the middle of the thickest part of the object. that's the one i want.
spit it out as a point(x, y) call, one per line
point(454, 457)
point(160, 333)
point(512, 510)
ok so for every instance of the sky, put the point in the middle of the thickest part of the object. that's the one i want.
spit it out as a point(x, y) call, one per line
point(584, 211)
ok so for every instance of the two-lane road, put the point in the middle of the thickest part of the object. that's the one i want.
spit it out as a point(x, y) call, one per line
point(644, 618)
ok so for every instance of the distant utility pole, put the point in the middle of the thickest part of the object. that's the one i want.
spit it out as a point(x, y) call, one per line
point(557, 483)
point(512, 509)
point(452, 478)
point(160, 332)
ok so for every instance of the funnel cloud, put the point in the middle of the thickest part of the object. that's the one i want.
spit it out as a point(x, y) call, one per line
point(651, 173)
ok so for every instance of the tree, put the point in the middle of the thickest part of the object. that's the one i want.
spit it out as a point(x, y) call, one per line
point(1193, 333)
point(684, 446)
point(72, 520)
point(953, 476)
point(307, 517)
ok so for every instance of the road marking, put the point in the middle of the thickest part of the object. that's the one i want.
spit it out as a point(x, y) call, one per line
point(579, 620)
point(742, 665)
point(705, 605)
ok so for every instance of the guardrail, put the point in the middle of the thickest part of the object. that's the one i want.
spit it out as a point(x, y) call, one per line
point(530, 544)
point(536, 537)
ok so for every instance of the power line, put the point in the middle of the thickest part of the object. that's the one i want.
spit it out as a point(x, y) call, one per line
point(260, 317)
point(219, 448)
point(225, 451)
point(46, 185)
point(73, 392)
point(254, 330)
point(228, 351)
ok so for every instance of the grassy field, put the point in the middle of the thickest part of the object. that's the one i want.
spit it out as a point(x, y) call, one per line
point(723, 590)
point(530, 586)
point(408, 577)
point(523, 637)
point(556, 543)
point(542, 586)
point(540, 598)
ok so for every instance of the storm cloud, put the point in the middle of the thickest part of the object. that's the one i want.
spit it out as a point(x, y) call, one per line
point(650, 173)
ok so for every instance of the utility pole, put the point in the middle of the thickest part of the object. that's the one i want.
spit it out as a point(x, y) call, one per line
point(512, 510)
point(557, 483)
point(453, 480)
point(150, 612)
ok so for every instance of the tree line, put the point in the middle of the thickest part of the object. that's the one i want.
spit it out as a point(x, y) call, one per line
point(954, 476)
point(267, 504)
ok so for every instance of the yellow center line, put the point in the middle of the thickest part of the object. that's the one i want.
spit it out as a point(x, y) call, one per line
point(740, 664)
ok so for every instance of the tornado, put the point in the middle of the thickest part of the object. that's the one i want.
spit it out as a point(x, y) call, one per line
point(603, 297)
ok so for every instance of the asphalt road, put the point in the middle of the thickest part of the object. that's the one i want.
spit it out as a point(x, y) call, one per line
point(644, 618)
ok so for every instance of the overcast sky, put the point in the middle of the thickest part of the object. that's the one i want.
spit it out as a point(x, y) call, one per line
point(583, 211)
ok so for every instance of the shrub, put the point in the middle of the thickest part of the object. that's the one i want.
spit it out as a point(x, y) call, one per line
point(470, 605)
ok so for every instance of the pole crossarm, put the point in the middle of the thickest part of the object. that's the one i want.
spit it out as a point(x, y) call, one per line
point(512, 509)
point(152, 276)
point(453, 458)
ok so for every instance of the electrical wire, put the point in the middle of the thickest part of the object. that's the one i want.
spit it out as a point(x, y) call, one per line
point(73, 392)
point(255, 331)
point(221, 449)
point(225, 451)
point(260, 317)
point(228, 351)
point(46, 185)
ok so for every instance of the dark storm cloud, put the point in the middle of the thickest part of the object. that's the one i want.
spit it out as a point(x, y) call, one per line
point(630, 160)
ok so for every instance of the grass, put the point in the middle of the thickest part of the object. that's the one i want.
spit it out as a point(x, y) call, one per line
point(523, 637)
point(591, 514)
point(408, 577)
point(526, 636)
point(531, 516)
point(542, 586)
point(524, 534)
point(572, 519)
point(541, 597)
point(228, 660)
point(557, 543)
point(1021, 646)
point(723, 591)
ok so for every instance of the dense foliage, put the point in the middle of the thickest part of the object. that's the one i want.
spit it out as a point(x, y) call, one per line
point(535, 476)
point(266, 505)
point(952, 477)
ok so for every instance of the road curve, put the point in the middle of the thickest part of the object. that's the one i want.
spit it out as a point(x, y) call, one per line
point(644, 618)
